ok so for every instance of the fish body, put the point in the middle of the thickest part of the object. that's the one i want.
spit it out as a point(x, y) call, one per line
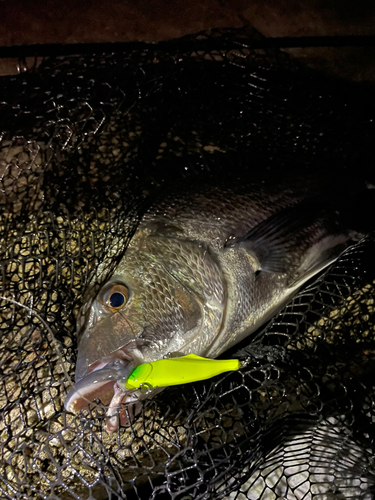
point(204, 270)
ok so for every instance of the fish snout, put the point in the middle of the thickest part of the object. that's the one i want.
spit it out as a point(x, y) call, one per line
point(102, 342)
point(98, 382)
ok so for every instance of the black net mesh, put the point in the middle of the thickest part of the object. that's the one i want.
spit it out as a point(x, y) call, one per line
point(87, 142)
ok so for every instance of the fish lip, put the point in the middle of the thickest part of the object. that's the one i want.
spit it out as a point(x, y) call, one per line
point(127, 352)
point(121, 356)
point(89, 387)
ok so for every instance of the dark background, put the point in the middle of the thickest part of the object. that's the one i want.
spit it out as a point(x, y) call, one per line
point(23, 23)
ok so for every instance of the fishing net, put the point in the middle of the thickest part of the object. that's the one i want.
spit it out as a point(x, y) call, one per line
point(86, 143)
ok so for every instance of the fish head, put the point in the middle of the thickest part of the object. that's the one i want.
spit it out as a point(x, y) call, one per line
point(163, 298)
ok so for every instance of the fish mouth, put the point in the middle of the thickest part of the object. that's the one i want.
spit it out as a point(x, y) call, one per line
point(103, 379)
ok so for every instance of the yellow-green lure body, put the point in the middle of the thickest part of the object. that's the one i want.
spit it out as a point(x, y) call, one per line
point(177, 371)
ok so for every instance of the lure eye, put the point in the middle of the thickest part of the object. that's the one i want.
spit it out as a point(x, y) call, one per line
point(115, 297)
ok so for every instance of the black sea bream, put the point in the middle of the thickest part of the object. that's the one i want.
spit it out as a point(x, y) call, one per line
point(204, 269)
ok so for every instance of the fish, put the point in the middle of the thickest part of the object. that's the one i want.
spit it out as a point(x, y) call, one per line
point(207, 266)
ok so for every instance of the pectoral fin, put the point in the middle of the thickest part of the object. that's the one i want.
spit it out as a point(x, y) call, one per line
point(271, 240)
point(320, 256)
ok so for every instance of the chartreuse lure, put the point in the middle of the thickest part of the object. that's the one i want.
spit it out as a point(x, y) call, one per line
point(177, 371)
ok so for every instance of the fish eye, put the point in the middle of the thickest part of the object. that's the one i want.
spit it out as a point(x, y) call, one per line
point(115, 297)
point(116, 300)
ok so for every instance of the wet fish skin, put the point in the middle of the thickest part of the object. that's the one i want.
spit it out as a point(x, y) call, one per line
point(165, 302)
point(206, 269)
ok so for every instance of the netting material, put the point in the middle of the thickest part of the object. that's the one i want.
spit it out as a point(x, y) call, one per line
point(87, 142)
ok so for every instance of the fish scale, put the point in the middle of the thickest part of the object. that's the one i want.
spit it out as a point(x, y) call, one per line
point(207, 267)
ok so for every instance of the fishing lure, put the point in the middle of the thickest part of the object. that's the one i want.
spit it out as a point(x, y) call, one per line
point(177, 371)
